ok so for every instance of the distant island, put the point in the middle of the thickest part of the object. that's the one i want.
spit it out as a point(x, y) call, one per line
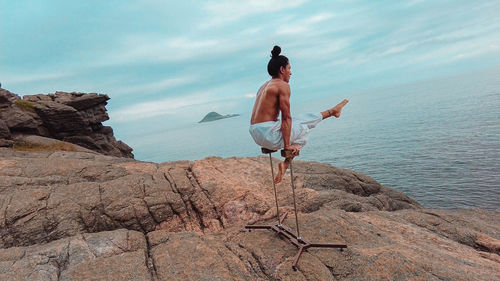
point(212, 116)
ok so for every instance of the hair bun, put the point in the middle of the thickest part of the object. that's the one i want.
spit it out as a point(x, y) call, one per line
point(275, 52)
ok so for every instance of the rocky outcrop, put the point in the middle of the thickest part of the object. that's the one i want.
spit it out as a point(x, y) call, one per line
point(65, 193)
point(72, 117)
point(80, 215)
point(213, 116)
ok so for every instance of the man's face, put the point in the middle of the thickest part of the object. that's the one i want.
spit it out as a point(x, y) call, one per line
point(287, 72)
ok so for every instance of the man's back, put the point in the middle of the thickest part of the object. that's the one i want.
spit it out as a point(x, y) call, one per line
point(267, 103)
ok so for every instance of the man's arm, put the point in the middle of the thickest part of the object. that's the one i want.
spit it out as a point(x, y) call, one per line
point(286, 117)
point(286, 122)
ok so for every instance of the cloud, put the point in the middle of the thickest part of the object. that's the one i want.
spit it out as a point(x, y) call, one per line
point(228, 11)
point(304, 25)
point(292, 29)
point(157, 85)
point(210, 99)
point(433, 50)
point(153, 49)
point(323, 49)
point(357, 59)
point(410, 3)
point(424, 40)
point(349, 61)
point(251, 30)
point(319, 18)
point(167, 106)
point(395, 49)
point(368, 36)
point(183, 43)
point(477, 52)
point(460, 50)
point(34, 77)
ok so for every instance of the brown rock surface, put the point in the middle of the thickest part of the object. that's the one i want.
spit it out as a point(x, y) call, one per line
point(109, 255)
point(18, 116)
point(5, 136)
point(71, 117)
point(82, 216)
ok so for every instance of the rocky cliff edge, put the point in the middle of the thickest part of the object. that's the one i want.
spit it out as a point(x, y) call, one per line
point(69, 215)
point(72, 117)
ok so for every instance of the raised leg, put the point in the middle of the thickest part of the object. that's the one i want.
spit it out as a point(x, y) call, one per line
point(334, 111)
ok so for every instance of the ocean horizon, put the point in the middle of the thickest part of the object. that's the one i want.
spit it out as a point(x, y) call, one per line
point(438, 140)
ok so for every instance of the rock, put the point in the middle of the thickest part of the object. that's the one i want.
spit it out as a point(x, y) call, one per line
point(81, 215)
point(5, 136)
point(91, 193)
point(70, 117)
point(200, 196)
point(213, 116)
point(6, 143)
point(19, 116)
point(37, 143)
point(115, 255)
point(189, 256)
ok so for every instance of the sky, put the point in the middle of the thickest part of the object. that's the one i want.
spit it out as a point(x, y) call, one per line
point(165, 63)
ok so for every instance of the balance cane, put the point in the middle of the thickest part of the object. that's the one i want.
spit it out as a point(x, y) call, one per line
point(283, 230)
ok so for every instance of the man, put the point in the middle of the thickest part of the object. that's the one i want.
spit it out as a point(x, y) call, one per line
point(274, 96)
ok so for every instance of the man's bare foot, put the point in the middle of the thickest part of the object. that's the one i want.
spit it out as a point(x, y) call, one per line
point(281, 172)
point(336, 110)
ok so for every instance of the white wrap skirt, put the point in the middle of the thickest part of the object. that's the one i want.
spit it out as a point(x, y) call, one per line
point(268, 134)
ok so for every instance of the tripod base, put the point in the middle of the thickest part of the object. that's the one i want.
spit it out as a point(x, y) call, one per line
point(299, 242)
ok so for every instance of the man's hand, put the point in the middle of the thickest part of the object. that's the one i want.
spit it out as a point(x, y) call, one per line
point(294, 148)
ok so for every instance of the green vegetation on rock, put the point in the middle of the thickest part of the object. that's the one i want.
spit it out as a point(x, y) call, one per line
point(25, 105)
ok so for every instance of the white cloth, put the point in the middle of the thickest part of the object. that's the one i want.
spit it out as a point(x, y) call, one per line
point(268, 134)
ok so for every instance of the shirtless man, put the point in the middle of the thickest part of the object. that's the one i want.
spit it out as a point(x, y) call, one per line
point(273, 97)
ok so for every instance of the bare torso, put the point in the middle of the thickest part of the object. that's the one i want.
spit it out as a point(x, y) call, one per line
point(267, 104)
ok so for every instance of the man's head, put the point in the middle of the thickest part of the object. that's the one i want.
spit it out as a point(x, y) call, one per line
point(278, 66)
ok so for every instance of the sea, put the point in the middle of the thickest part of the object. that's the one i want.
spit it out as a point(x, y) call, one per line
point(438, 141)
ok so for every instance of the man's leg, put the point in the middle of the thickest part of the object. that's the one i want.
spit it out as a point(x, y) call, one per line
point(334, 111)
point(282, 166)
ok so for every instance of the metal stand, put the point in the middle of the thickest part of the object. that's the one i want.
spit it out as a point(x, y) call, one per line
point(283, 230)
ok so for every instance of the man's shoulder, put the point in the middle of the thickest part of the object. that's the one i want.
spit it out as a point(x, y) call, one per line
point(283, 87)
point(276, 87)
